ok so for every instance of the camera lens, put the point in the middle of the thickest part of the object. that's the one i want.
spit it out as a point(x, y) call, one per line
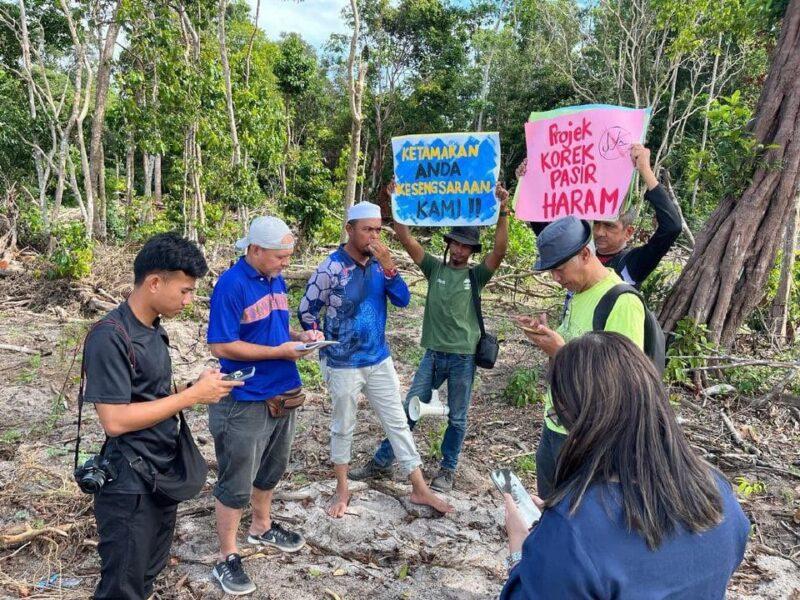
point(92, 482)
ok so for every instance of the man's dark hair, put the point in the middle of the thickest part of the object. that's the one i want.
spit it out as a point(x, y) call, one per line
point(169, 252)
point(609, 396)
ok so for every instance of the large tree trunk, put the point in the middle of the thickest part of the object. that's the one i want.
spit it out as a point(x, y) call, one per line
point(726, 275)
point(98, 122)
point(780, 306)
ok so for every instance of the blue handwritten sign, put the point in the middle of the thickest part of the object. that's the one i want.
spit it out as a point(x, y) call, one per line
point(446, 179)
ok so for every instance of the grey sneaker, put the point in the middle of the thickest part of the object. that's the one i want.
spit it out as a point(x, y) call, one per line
point(371, 470)
point(278, 537)
point(443, 482)
point(231, 576)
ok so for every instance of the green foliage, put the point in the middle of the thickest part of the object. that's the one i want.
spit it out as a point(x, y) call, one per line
point(10, 436)
point(746, 488)
point(690, 343)
point(526, 465)
point(522, 388)
point(660, 283)
point(310, 373)
point(72, 256)
point(295, 67)
point(30, 226)
point(750, 380)
point(726, 165)
point(311, 196)
point(433, 439)
point(760, 317)
point(144, 221)
point(31, 372)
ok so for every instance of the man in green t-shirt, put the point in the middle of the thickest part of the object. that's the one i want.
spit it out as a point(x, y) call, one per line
point(450, 333)
point(567, 251)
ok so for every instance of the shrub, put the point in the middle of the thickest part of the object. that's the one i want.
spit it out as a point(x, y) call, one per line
point(522, 388)
point(689, 344)
point(72, 256)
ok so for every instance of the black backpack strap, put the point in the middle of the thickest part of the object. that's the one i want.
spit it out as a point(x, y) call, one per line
point(81, 387)
point(476, 299)
point(607, 302)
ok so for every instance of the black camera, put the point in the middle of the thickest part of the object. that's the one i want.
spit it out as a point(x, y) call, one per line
point(94, 474)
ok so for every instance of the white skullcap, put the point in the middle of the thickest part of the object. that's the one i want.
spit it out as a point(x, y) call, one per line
point(267, 232)
point(364, 210)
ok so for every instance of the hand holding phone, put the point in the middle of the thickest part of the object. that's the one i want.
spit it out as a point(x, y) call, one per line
point(240, 375)
point(508, 483)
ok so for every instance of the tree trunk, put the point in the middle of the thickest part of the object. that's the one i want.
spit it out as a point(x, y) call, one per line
point(356, 93)
point(485, 80)
point(98, 122)
point(101, 229)
point(236, 159)
point(709, 101)
point(157, 192)
point(130, 167)
point(726, 275)
point(780, 306)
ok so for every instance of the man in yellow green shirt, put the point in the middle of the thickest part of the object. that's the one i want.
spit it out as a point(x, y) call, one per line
point(567, 252)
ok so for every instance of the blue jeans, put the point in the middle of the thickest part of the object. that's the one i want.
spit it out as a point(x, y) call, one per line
point(434, 369)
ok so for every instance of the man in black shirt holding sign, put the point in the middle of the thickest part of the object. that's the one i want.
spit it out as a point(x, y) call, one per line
point(128, 377)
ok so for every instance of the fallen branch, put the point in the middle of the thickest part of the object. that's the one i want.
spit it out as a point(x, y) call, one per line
point(738, 440)
point(777, 390)
point(11, 540)
point(20, 349)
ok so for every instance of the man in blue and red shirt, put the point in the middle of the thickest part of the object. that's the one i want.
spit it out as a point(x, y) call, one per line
point(249, 327)
point(351, 286)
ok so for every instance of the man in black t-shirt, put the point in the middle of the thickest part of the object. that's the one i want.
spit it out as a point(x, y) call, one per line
point(128, 375)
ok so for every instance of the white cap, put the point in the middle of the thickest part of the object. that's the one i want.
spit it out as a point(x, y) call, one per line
point(364, 210)
point(267, 232)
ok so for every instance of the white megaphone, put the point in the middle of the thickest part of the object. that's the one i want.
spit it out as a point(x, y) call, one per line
point(418, 409)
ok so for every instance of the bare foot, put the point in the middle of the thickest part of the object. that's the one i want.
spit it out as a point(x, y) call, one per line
point(430, 499)
point(338, 504)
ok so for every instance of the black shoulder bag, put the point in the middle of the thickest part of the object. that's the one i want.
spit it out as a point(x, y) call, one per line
point(188, 470)
point(488, 346)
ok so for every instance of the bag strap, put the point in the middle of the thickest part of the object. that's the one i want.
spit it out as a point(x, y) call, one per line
point(137, 463)
point(476, 299)
point(607, 302)
point(118, 326)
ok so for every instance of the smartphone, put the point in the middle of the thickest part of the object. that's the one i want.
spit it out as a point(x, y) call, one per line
point(315, 345)
point(508, 483)
point(240, 375)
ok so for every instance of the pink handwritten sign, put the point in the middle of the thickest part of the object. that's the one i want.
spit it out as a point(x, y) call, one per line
point(579, 162)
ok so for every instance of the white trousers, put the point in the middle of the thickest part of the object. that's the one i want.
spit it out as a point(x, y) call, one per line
point(379, 383)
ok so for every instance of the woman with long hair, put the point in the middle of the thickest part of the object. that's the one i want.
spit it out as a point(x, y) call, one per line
point(634, 513)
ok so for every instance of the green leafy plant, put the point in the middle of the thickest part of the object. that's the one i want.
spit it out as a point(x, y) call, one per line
point(522, 388)
point(72, 256)
point(310, 373)
point(689, 345)
point(434, 441)
point(660, 282)
point(746, 488)
point(526, 464)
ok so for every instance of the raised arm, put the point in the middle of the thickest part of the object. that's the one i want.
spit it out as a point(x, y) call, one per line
point(412, 246)
point(642, 260)
point(522, 168)
point(495, 257)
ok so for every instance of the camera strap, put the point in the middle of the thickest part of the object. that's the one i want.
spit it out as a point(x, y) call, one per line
point(119, 327)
